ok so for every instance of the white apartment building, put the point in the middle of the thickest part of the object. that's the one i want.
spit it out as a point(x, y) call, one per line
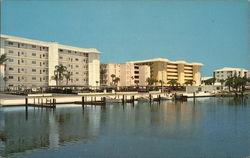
point(31, 63)
point(226, 72)
point(129, 74)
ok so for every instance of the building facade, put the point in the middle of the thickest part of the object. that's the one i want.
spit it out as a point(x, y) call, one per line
point(107, 71)
point(31, 63)
point(226, 72)
point(128, 73)
point(166, 70)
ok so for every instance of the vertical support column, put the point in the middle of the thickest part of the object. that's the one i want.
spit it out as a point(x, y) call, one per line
point(181, 76)
point(197, 74)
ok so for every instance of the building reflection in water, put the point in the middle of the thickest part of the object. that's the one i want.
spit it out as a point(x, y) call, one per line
point(168, 120)
point(46, 128)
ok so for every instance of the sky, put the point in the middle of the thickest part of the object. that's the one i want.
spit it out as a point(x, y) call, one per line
point(213, 32)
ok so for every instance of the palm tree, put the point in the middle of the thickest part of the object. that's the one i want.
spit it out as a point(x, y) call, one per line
point(116, 80)
point(229, 82)
point(210, 81)
point(151, 81)
point(3, 58)
point(190, 82)
point(59, 73)
point(172, 83)
point(113, 77)
point(222, 82)
point(67, 76)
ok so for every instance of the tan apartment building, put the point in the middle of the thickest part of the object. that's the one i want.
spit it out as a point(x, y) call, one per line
point(31, 63)
point(166, 70)
point(106, 71)
point(128, 73)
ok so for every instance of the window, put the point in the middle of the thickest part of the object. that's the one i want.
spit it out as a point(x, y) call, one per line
point(77, 72)
point(33, 46)
point(11, 60)
point(77, 79)
point(60, 50)
point(33, 78)
point(77, 66)
point(33, 54)
point(69, 51)
point(77, 59)
point(11, 51)
point(33, 70)
point(11, 69)
point(33, 62)
point(11, 77)
point(61, 58)
point(10, 43)
point(44, 70)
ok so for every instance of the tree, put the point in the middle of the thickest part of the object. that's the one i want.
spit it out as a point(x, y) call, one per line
point(151, 81)
point(3, 58)
point(67, 76)
point(222, 81)
point(116, 80)
point(113, 77)
point(190, 82)
point(210, 81)
point(237, 83)
point(229, 82)
point(59, 73)
point(173, 83)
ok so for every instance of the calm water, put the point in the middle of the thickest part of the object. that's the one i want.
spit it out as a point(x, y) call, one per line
point(209, 128)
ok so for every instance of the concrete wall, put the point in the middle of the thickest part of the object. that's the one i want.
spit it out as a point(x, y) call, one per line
point(94, 69)
point(53, 61)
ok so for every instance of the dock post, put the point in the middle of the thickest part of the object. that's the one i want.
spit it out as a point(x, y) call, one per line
point(26, 104)
point(54, 102)
point(104, 101)
point(26, 108)
point(159, 98)
point(133, 100)
point(194, 96)
point(150, 98)
point(91, 101)
point(82, 101)
point(123, 100)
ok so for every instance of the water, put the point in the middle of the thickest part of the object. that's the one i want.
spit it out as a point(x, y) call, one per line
point(209, 128)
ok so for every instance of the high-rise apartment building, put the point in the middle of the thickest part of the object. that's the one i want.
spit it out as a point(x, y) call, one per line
point(31, 63)
point(166, 70)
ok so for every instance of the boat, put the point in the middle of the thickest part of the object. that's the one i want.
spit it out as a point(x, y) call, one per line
point(113, 100)
point(167, 97)
point(143, 99)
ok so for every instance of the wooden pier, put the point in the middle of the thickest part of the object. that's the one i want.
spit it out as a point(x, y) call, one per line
point(41, 102)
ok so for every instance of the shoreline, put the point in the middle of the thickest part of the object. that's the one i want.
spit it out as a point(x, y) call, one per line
point(9, 100)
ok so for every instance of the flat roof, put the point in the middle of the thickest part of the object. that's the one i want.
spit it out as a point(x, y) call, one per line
point(166, 60)
point(231, 69)
point(47, 44)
